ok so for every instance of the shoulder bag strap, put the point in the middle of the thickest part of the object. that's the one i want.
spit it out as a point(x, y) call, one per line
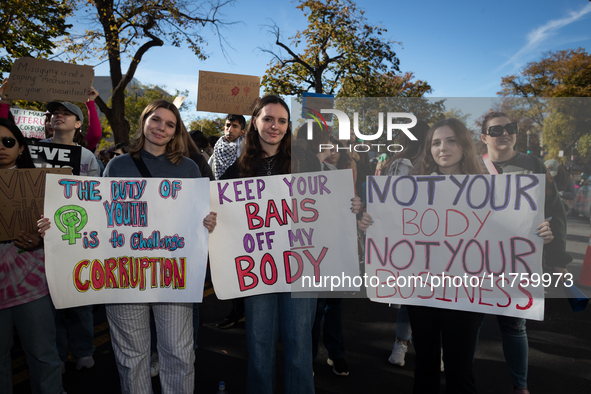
point(141, 166)
point(489, 164)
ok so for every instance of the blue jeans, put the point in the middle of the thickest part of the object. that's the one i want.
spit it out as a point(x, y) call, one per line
point(515, 348)
point(329, 317)
point(403, 330)
point(36, 329)
point(267, 315)
point(75, 332)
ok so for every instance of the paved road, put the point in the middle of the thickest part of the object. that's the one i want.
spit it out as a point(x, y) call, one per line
point(560, 350)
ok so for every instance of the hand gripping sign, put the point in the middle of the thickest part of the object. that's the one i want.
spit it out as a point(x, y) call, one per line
point(127, 240)
point(283, 233)
point(464, 242)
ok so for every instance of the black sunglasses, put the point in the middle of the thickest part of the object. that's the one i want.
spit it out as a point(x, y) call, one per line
point(9, 142)
point(497, 131)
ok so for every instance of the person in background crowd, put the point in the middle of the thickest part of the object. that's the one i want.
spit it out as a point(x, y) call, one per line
point(328, 317)
point(74, 325)
point(499, 134)
point(212, 139)
point(193, 152)
point(25, 303)
point(201, 142)
point(584, 175)
point(360, 163)
point(401, 164)
point(105, 155)
point(564, 183)
point(120, 149)
point(229, 147)
point(226, 151)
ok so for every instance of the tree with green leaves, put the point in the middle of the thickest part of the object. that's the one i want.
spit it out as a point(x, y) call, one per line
point(28, 28)
point(564, 73)
point(136, 99)
point(130, 28)
point(209, 127)
point(339, 53)
point(561, 119)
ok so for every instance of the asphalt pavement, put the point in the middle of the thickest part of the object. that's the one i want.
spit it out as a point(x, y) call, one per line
point(559, 356)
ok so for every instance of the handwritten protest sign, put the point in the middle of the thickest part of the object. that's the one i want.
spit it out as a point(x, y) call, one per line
point(125, 240)
point(50, 155)
point(31, 123)
point(46, 80)
point(227, 93)
point(464, 242)
point(21, 199)
point(283, 233)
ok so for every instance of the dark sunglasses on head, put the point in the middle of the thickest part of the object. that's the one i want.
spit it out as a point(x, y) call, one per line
point(497, 131)
point(9, 142)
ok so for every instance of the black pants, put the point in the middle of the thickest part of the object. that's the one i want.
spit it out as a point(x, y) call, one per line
point(457, 332)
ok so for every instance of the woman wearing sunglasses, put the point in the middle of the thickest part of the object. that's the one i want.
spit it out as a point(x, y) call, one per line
point(24, 295)
point(499, 134)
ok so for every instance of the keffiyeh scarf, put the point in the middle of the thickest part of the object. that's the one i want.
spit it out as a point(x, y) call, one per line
point(225, 154)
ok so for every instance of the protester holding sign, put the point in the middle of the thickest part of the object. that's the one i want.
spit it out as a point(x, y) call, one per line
point(267, 151)
point(449, 150)
point(499, 134)
point(159, 145)
point(76, 333)
point(24, 295)
point(157, 150)
point(401, 164)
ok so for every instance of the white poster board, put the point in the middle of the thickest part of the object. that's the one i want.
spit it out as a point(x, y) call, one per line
point(31, 123)
point(283, 233)
point(115, 240)
point(464, 242)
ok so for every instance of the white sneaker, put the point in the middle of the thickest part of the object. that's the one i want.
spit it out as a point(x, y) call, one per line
point(398, 354)
point(154, 365)
point(84, 362)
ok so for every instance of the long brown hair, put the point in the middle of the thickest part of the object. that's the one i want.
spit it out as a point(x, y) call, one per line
point(253, 152)
point(469, 163)
point(175, 149)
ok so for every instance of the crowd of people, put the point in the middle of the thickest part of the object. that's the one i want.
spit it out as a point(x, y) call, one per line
point(444, 340)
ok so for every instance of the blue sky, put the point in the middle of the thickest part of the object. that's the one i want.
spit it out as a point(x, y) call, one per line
point(462, 48)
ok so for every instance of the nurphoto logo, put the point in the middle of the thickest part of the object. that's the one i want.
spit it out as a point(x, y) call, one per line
point(346, 131)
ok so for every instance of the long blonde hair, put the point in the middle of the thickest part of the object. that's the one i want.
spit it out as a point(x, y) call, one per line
point(175, 149)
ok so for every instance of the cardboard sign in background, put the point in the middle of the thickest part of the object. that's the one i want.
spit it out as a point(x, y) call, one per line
point(283, 233)
point(116, 240)
point(227, 93)
point(30, 123)
point(480, 226)
point(22, 193)
point(46, 80)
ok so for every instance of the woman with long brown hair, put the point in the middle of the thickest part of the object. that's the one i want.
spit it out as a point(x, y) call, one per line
point(267, 151)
